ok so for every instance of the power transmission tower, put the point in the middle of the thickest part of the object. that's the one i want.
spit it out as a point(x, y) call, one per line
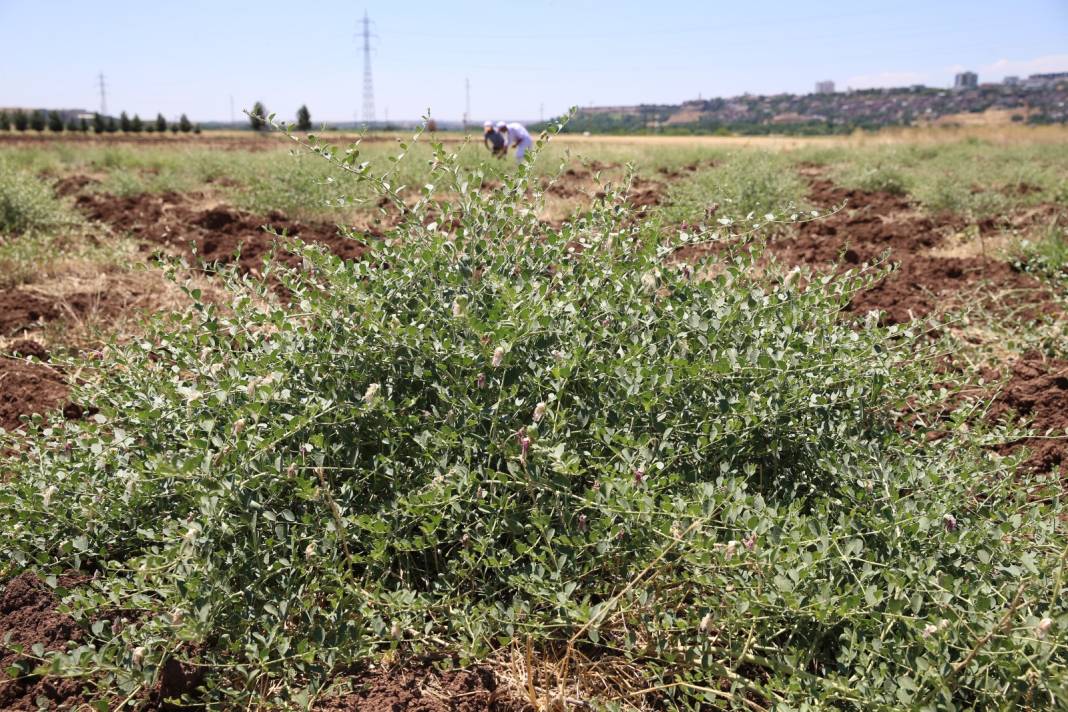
point(103, 96)
point(368, 84)
point(467, 102)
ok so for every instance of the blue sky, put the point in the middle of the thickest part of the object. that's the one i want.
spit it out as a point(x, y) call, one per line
point(192, 55)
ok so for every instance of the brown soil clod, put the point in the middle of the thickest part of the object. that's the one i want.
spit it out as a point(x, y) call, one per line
point(28, 348)
point(214, 234)
point(29, 615)
point(873, 224)
point(1037, 391)
point(427, 690)
point(28, 388)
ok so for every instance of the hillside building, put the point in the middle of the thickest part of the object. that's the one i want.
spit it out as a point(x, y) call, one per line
point(826, 87)
point(966, 80)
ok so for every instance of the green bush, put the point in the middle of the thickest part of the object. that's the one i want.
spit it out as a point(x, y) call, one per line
point(494, 432)
point(26, 203)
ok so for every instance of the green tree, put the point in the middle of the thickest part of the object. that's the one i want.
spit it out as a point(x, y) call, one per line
point(124, 122)
point(161, 123)
point(37, 120)
point(98, 123)
point(174, 128)
point(55, 121)
point(184, 124)
point(21, 121)
point(112, 125)
point(83, 125)
point(257, 116)
point(196, 129)
point(303, 118)
point(72, 124)
point(136, 125)
point(5, 121)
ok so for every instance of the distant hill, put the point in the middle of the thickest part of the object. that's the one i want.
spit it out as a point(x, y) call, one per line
point(1040, 99)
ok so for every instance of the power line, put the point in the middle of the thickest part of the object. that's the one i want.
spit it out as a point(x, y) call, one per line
point(103, 96)
point(368, 83)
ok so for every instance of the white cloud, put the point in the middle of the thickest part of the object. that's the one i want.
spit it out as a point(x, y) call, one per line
point(887, 79)
point(1024, 67)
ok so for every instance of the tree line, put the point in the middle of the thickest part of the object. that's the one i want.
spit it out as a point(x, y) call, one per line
point(257, 118)
point(39, 120)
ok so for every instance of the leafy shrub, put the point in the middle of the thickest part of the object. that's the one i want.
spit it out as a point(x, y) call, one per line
point(497, 432)
point(1047, 254)
point(257, 117)
point(883, 178)
point(26, 203)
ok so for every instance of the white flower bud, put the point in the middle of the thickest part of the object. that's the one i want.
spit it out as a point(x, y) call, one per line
point(539, 411)
point(457, 308)
point(239, 426)
point(371, 392)
point(732, 546)
point(138, 655)
point(929, 630)
point(1043, 627)
point(309, 551)
point(395, 631)
point(498, 356)
point(706, 623)
point(46, 497)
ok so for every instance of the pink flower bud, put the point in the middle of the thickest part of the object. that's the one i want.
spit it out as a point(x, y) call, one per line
point(498, 356)
point(950, 522)
point(481, 380)
point(639, 475)
point(750, 541)
point(539, 411)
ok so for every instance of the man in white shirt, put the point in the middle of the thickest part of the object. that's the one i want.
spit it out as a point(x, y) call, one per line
point(515, 134)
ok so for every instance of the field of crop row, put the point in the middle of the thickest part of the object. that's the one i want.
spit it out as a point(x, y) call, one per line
point(645, 424)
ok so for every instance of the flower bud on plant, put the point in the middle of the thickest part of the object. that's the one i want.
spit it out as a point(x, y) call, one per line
point(929, 630)
point(582, 522)
point(138, 656)
point(750, 541)
point(395, 631)
point(498, 356)
point(309, 551)
point(732, 547)
point(539, 411)
point(481, 380)
point(706, 623)
point(639, 475)
point(950, 522)
point(176, 617)
point(1043, 627)
point(371, 392)
point(457, 308)
point(239, 426)
point(49, 492)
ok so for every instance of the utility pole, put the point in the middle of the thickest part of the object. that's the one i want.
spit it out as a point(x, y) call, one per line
point(103, 96)
point(467, 102)
point(368, 84)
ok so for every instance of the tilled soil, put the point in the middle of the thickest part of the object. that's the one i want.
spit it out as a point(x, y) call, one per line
point(1037, 391)
point(27, 388)
point(427, 690)
point(28, 614)
point(874, 223)
point(214, 234)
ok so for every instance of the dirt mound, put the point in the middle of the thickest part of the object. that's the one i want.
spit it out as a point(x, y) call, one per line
point(27, 388)
point(28, 614)
point(73, 184)
point(20, 310)
point(213, 234)
point(877, 223)
point(26, 348)
point(1038, 392)
point(426, 690)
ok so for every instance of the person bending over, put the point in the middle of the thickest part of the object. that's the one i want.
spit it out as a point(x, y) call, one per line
point(493, 140)
point(516, 135)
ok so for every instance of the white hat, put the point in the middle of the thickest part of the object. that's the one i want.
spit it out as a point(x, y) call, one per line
point(501, 125)
point(488, 125)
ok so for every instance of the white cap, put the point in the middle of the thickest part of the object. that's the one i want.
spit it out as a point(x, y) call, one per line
point(501, 125)
point(488, 125)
